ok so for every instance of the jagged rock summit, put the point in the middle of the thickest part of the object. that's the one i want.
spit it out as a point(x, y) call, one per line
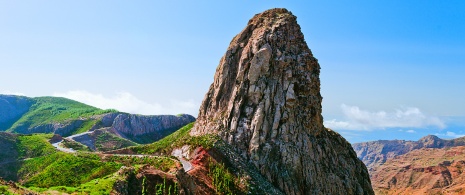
point(265, 102)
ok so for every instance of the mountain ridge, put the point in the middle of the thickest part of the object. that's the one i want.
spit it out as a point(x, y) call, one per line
point(67, 117)
point(375, 153)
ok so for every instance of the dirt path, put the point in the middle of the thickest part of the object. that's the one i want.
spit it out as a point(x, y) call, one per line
point(177, 152)
point(185, 164)
point(68, 150)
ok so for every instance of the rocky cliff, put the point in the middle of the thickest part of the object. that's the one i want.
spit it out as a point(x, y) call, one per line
point(376, 153)
point(145, 129)
point(265, 102)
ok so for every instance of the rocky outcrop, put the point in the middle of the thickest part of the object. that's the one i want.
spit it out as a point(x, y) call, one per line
point(265, 102)
point(145, 129)
point(63, 128)
point(376, 153)
point(12, 108)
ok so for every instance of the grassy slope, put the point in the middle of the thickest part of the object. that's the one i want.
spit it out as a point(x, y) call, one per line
point(21, 103)
point(8, 147)
point(67, 143)
point(39, 164)
point(47, 110)
point(42, 168)
point(106, 141)
point(177, 139)
point(35, 145)
point(70, 170)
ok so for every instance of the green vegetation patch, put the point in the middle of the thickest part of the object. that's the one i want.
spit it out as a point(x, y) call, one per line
point(224, 182)
point(106, 141)
point(97, 186)
point(67, 170)
point(75, 145)
point(34, 145)
point(46, 110)
point(86, 126)
point(177, 139)
point(159, 162)
point(8, 150)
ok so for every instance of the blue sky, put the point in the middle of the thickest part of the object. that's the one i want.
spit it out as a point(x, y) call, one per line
point(389, 69)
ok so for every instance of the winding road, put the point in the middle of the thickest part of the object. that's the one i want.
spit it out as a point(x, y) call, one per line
point(177, 152)
point(185, 164)
point(68, 150)
point(58, 147)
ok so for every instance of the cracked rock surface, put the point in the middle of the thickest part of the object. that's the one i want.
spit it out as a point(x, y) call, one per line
point(265, 102)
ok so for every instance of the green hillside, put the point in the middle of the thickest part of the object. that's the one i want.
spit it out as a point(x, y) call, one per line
point(34, 163)
point(47, 110)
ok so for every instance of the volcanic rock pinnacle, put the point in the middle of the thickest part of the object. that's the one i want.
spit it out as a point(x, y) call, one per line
point(265, 102)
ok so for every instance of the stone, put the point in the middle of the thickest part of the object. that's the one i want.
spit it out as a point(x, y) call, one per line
point(265, 102)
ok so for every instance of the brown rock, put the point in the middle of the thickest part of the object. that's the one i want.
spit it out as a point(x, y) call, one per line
point(376, 153)
point(265, 101)
point(422, 171)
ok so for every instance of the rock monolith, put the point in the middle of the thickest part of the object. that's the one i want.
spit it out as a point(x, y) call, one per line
point(265, 102)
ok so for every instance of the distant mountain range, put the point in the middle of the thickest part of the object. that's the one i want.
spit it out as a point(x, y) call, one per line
point(428, 166)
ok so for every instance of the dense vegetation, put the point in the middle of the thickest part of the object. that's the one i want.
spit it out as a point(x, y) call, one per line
point(176, 139)
point(29, 146)
point(47, 110)
point(34, 164)
point(71, 170)
point(224, 182)
point(106, 141)
point(68, 143)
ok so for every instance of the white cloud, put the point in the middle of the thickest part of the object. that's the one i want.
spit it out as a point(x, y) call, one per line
point(410, 131)
point(357, 119)
point(7, 92)
point(126, 102)
point(452, 134)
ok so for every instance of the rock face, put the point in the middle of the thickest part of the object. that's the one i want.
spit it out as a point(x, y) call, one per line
point(376, 153)
point(145, 129)
point(63, 129)
point(422, 171)
point(265, 101)
point(12, 108)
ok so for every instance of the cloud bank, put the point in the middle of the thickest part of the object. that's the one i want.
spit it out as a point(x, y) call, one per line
point(126, 102)
point(357, 119)
point(450, 134)
point(7, 92)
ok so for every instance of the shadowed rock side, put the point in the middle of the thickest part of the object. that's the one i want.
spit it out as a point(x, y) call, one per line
point(265, 101)
point(11, 109)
